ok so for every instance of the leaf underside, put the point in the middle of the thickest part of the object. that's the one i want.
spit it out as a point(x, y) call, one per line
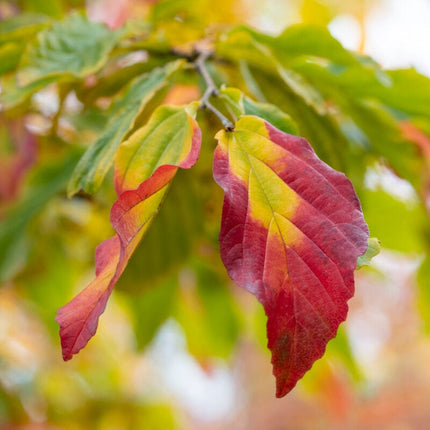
point(292, 230)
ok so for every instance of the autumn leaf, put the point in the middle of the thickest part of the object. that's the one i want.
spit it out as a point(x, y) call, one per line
point(291, 232)
point(145, 165)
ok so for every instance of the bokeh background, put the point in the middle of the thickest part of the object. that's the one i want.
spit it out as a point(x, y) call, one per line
point(187, 350)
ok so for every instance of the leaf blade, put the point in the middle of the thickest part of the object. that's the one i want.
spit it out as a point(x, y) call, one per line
point(74, 46)
point(286, 242)
point(95, 163)
point(131, 216)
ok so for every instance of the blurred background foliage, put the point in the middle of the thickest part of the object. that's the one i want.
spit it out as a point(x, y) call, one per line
point(179, 346)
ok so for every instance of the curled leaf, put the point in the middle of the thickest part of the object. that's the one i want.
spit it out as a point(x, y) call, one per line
point(141, 192)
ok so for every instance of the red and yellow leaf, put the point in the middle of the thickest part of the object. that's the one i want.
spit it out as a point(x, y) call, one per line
point(145, 165)
point(292, 230)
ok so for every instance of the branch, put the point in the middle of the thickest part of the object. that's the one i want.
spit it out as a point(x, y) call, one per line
point(211, 90)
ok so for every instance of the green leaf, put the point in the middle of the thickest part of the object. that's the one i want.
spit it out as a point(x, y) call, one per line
point(270, 113)
point(242, 105)
point(310, 40)
point(97, 160)
point(21, 27)
point(74, 46)
point(322, 130)
point(14, 95)
point(10, 54)
point(373, 249)
point(48, 182)
point(207, 313)
point(54, 8)
point(151, 308)
point(302, 40)
point(409, 92)
point(262, 56)
point(396, 224)
point(423, 280)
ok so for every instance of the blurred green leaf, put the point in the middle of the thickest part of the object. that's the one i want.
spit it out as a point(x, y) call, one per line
point(423, 280)
point(54, 8)
point(46, 183)
point(321, 130)
point(10, 53)
point(74, 46)
point(13, 95)
point(21, 27)
point(395, 223)
point(170, 240)
point(207, 314)
point(152, 308)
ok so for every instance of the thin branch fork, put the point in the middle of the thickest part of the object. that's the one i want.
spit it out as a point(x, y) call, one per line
point(211, 90)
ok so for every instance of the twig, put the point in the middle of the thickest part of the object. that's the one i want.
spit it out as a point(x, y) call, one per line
point(211, 90)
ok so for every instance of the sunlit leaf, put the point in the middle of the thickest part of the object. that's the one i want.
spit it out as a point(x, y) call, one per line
point(97, 160)
point(291, 233)
point(145, 165)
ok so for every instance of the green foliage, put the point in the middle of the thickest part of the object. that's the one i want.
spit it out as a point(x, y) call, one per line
point(74, 46)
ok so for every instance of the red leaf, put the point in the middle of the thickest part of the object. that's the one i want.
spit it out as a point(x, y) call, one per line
point(130, 216)
point(292, 230)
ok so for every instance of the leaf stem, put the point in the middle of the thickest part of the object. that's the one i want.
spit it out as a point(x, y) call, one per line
point(211, 90)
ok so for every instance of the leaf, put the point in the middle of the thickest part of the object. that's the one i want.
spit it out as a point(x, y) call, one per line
point(97, 160)
point(46, 182)
point(207, 314)
point(260, 51)
point(311, 40)
point(151, 309)
point(74, 46)
point(406, 219)
point(373, 249)
point(271, 114)
point(327, 138)
point(292, 230)
point(423, 293)
point(14, 95)
point(302, 40)
point(21, 27)
point(171, 238)
point(145, 165)
point(242, 105)
point(10, 54)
